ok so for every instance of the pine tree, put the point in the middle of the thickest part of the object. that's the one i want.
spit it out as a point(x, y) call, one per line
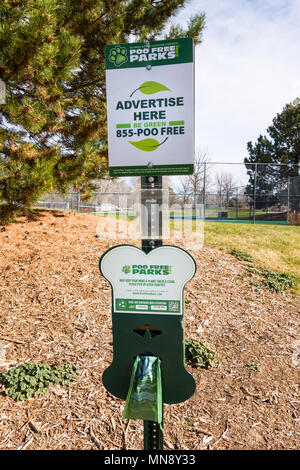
point(281, 146)
point(52, 60)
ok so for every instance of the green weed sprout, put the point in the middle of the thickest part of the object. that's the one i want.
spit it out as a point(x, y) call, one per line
point(198, 354)
point(30, 380)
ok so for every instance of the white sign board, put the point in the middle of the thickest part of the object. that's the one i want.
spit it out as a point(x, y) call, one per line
point(150, 108)
point(147, 283)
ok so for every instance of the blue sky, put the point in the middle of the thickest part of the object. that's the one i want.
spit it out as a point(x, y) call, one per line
point(247, 69)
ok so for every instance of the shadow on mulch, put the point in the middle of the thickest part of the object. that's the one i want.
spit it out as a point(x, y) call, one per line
point(34, 215)
point(37, 214)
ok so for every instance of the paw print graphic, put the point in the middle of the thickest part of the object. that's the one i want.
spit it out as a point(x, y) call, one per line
point(126, 269)
point(118, 56)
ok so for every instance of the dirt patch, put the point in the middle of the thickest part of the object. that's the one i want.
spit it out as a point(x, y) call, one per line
point(55, 306)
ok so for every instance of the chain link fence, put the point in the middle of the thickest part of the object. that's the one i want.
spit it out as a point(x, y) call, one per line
point(270, 194)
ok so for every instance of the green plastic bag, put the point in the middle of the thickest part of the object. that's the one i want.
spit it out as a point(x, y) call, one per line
point(144, 398)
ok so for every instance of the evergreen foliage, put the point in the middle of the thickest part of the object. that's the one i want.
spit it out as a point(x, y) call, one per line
point(52, 60)
point(281, 146)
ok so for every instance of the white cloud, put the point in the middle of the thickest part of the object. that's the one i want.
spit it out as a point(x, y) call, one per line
point(247, 69)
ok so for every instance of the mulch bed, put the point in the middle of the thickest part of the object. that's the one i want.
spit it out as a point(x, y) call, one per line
point(56, 306)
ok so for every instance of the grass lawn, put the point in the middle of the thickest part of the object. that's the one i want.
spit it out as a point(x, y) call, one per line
point(232, 213)
point(272, 246)
point(275, 247)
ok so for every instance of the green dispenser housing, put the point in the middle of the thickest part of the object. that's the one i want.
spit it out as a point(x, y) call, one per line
point(148, 316)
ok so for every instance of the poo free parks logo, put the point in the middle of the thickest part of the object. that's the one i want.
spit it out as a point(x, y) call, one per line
point(118, 56)
point(150, 107)
point(148, 283)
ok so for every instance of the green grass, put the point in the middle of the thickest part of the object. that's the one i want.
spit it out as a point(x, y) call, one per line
point(232, 213)
point(115, 215)
point(277, 282)
point(269, 247)
point(273, 247)
point(242, 255)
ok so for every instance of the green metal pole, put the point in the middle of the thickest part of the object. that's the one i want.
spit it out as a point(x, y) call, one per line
point(153, 436)
point(153, 432)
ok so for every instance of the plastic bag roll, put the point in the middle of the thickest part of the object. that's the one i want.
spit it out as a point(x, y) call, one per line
point(144, 398)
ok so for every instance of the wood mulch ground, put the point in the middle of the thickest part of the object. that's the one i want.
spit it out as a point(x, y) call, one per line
point(54, 306)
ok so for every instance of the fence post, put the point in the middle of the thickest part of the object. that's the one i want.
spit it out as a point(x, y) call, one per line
point(254, 200)
point(204, 189)
point(288, 198)
point(78, 201)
